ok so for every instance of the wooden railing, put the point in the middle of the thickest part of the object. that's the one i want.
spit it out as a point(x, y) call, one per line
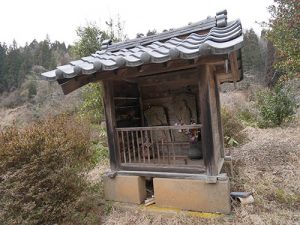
point(156, 146)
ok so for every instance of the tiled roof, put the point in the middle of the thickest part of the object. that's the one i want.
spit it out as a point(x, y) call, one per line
point(184, 43)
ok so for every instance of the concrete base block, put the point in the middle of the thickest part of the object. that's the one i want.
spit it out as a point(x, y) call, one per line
point(196, 195)
point(130, 189)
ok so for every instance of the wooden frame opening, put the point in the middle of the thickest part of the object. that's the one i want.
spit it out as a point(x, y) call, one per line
point(146, 131)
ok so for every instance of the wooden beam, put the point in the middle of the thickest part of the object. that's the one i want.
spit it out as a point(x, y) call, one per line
point(180, 175)
point(174, 65)
point(72, 84)
point(180, 76)
point(224, 77)
point(110, 117)
point(162, 168)
point(211, 60)
point(177, 127)
point(144, 70)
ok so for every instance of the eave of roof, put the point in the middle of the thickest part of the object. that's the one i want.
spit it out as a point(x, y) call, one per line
point(183, 43)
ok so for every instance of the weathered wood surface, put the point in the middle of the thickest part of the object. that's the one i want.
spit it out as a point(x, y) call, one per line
point(215, 116)
point(141, 140)
point(160, 168)
point(211, 142)
point(109, 108)
point(147, 149)
point(218, 108)
point(179, 127)
point(148, 69)
point(181, 175)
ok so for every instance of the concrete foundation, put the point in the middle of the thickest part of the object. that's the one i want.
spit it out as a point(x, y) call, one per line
point(185, 194)
point(130, 189)
point(196, 195)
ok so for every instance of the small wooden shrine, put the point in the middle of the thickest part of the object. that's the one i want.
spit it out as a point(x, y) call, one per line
point(161, 97)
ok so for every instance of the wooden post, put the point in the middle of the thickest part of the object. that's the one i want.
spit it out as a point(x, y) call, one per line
point(110, 117)
point(141, 106)
point(211, 141)
point(220, 127)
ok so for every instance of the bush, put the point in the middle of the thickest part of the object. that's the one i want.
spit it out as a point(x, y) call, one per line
point(41, 169)
point(92, 106)
point(276, 106)
point(232, 128)
point(248, 115)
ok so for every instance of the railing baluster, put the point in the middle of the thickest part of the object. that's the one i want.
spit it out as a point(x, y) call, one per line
point(143, 149)
point(128, 146)
point(119, 144)
point(148, 146)
point(133, 145)
point(152, 146)
point(172, 140)
point(163, 150)
point(138, 145)
point(168, 153)
point(123, 146)
point(157, 146)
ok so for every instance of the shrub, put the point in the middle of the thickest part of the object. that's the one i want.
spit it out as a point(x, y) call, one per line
point(276, 105)
point(232, 128)
point(41, 169)
point(248, 115)
point(32, 91)
point(92, 106)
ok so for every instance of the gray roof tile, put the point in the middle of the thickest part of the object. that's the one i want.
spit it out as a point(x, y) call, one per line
point(221, 39)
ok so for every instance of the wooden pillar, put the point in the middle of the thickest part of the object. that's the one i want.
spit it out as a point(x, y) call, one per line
point(210, 119)
point(110, 117)
point(141, 105)
point(220, 126)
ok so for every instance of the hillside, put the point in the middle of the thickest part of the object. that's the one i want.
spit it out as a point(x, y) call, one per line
point(54, 150)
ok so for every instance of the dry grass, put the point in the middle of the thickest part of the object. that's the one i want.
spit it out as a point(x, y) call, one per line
point(49, 101)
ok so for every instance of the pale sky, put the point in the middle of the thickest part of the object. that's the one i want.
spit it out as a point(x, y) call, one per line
point(25, 20)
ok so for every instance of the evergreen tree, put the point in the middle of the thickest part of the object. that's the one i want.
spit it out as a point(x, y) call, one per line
point(3, 50)
point(17, 62)
point(90, 38)
point(284, 33)
point(252, 58)
point(13, 65)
